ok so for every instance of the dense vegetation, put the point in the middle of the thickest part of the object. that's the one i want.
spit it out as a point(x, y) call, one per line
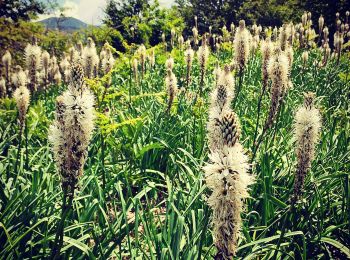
point(143, 190)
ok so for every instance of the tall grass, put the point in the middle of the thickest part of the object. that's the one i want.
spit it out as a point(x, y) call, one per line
point(143, 192)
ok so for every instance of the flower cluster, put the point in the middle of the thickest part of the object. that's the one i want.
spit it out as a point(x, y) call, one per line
point(72, 129)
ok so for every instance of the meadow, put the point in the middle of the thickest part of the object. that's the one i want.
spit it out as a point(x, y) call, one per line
point(142, 188)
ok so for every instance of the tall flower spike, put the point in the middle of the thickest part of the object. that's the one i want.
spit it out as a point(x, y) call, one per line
point(283, 37)
point(172, 39)
point(6, 61)
point(195, 35)
point(2, 87)
point(227, 176)
point(73, 54)
point(80, 47)
point(33, 62)
point(290, 56)
point(291, 34)
point(171, 85)
point(108, 60)
point(307, 129)
point(320, 23)
point(232, 31)
point(188, 59)
point(71, 131)
point(135, 70)
point(305, 57)
point(22, 97)
point(181, 42)
point(220, 102)
point(103, 51)
point(90, 59)
point(152, 58)
point(266, 52)
point(143, 55)
point(169, 63)
point(241, 45)
point(77, 79)
point(65, 67)
point(203, 55)
point(45, 59)
point(19, 78)
point(216, 73)
point(278, 73)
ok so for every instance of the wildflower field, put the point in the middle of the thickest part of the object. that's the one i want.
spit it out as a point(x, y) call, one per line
point(230, 146)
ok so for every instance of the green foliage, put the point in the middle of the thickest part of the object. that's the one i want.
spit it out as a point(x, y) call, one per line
point(104, 34)
point(15, 37)
point(142, 193)
point(266, 13)
point(148, 20)
point(20, 9)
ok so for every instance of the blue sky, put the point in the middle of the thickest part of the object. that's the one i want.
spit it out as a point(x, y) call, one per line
point(90, 11)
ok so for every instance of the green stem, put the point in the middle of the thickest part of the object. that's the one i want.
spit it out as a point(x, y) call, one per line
point(240, 79)
point(18, 152)
point(26, 140)
point(103, 162)
point(258, 117)
point(68, 191)
point(283, 231)
point(130, 79)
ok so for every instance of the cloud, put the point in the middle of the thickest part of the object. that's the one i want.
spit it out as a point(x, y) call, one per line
point(166, 3)
point(89, 11)
point(85, 10)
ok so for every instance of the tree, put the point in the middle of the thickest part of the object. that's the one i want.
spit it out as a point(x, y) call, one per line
point(20, 9)
point(214, 13)
point(117, 10)
point(148, 21)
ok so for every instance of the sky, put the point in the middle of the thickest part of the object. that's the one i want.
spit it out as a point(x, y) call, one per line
point(89, 11)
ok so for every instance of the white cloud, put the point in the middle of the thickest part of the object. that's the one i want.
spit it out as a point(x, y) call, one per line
point(89, 11)
point(70, 10)
point(85, 10)
point(166, 3)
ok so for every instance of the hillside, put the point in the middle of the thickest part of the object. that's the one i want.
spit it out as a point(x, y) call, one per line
point(65, 24)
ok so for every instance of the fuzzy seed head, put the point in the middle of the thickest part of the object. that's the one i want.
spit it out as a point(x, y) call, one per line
point(305, 57)
point(6, 60)
point(135, 69)
point(169, 64)
point(221, 98)
point(278, 73)
point(266, 53)
point(181, 41)
point(107, 62)
point(203, 55)
point(242, 45)
point(45, 58)
point(320, 23)
point(2, 87)
point(77, 78)
point(22, 98)
point(90, 59)
point(171, 85)
point(228, 178)
point(195, 33)
point(19, 78)
point(307, 129)
point(72, 129)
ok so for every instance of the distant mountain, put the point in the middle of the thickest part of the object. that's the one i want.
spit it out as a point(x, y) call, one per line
point(65, 24)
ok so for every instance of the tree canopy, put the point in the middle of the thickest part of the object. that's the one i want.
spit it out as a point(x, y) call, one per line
point(20, 9)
